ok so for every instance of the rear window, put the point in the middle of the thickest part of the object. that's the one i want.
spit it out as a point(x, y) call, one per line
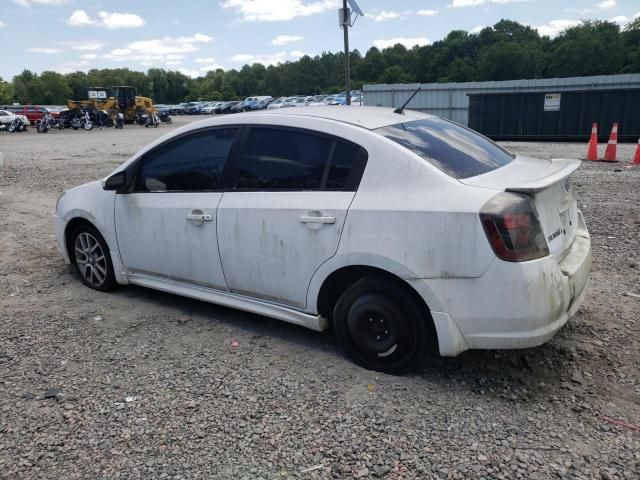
point(452, 148)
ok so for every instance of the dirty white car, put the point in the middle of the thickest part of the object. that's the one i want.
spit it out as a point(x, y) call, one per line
point(408, 233)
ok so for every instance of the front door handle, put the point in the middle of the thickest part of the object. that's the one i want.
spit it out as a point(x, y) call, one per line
point(320, 219)
point(198, 217)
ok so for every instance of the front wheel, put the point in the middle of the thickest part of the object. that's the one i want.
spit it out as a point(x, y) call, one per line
point(383, 327)
point(92, 259)
point(88, 126)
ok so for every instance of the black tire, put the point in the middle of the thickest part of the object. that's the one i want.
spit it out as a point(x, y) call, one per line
point(83, 265)
point(382, 327)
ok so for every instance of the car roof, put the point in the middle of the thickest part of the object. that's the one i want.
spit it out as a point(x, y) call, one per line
point(366, 117)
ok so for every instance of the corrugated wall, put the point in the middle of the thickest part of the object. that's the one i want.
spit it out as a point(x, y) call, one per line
point(450, 100)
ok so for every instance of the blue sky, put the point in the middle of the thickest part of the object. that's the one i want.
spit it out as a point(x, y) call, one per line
point(194, 36)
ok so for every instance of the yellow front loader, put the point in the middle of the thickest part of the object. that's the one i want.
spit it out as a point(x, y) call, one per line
point(113, 101)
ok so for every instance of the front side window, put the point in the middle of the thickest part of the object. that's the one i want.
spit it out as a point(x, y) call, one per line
point(191, 163)
point(280, 159)
point(456, 150)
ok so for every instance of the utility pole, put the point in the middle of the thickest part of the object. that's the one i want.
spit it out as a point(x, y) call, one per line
point(344, 15)
point(347, 68)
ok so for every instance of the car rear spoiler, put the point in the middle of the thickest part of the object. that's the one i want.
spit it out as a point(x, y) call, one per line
point(564, 168)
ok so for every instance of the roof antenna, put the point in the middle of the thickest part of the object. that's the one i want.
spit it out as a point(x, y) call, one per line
point(401, 109)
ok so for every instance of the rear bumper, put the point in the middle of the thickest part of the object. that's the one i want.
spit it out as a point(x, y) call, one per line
point(514, 305)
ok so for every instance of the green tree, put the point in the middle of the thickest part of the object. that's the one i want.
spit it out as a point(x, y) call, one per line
point(592, 48)
point(6, 92)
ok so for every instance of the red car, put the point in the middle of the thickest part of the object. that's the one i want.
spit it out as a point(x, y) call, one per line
point(32, 112)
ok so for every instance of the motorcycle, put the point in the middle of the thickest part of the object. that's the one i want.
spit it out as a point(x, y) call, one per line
point(17, 125)
point(142, 118)
point(153, 120)
point(83, 121)
point(165, 118)
point(48, 122)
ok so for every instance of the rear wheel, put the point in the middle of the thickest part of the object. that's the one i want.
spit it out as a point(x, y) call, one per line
point(92, 259)
point(382, 327)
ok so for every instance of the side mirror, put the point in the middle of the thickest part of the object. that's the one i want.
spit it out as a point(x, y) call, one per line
point(115, 181)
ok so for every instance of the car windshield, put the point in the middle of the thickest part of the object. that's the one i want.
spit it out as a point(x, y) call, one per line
point(456, 150)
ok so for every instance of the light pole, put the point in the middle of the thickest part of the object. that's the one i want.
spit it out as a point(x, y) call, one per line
point(345, 22)
point(347, 67)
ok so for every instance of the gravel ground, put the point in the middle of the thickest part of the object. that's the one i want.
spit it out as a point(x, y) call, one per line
point(142, 384)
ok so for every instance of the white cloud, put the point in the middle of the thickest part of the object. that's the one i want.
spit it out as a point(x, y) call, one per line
point(88, 56)
point(284, 39)
point(83, 46)
point(115, 20)
point(161, 50)
point(477, 29)
point(79, 18)
point(475, 3)
point(110, 20)
point(71, 67)
point(607, 4)
point(620, 20)
point(466, 3)
point(2, 24)
point(267, 59)
point(427, 13)
point(277, 10)
point(52, 3)
point(205, 60)
point(48, 51)
point(209, 68)
point(384, 15)
point(554, 27)
point(189, 73)
point(637, 15)
point(407, 42)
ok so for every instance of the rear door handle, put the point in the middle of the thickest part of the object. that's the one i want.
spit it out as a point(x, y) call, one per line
point(312, 219)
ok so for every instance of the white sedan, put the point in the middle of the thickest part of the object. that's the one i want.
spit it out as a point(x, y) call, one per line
point(6, 117)
point(409, 233)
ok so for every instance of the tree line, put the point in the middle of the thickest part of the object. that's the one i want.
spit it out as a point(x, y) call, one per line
point(506, 51)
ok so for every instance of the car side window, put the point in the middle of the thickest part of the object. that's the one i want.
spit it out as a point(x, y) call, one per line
point(346, 167)
point(191, 163)
point(283, 159)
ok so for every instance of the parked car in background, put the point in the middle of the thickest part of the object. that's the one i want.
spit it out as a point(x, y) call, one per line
point(317, 101)
point(192, 108)
point(229, 107)
point(208, 108)
point(237, 108)
point(162, 108)
point(256, 103)
point(289, 101)
point(277, 103)
point(409, 233)
point(6, 117)
point(31, 112)
point(220, 107)
point(299, 102)
point(176, 110)
point(263, 103)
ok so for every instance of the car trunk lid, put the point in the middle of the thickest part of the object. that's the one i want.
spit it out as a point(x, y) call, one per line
point(549, 184)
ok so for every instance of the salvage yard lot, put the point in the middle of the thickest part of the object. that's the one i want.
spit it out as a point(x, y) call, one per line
point(144, 384)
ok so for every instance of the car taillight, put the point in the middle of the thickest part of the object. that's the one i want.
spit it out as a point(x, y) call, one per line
point(512, 228)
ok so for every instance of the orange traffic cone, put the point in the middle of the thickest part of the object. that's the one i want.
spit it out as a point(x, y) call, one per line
point(636, 158)
point(612, 146)
point(592, 147)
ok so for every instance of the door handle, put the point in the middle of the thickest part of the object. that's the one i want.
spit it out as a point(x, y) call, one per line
point(312, 219)
point(199, 217)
